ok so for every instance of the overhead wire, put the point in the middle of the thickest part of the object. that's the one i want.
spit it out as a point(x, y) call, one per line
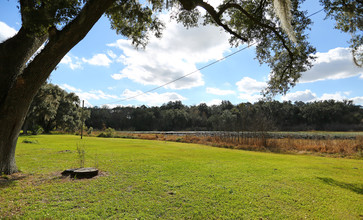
point(195, 71)
point(186, 75)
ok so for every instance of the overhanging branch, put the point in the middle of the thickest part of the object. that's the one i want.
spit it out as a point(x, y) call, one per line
point(217, 15)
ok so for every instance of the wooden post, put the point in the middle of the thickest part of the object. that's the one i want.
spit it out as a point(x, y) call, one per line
point(82, 119)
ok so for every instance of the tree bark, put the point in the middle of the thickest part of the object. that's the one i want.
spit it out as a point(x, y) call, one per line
point(21, 78)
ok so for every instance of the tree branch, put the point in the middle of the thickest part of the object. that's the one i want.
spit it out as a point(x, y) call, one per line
point(216, 17)
point(257, 21)
point(14, 54)
point(61, 42)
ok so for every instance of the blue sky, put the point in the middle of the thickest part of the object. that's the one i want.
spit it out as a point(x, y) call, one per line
point(104, 69)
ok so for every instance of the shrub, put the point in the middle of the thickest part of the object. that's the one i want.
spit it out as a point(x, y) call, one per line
point(90, 130)
point(27, 141)
point(37, 130)
point(109, 132)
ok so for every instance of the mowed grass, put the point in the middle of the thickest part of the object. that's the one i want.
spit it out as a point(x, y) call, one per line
point(143, 179)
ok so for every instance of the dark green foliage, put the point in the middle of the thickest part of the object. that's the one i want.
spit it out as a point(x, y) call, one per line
point(260, 116)
point(40, 15)
point(109, 132)
point(53, 108)
point(134, 20)
point(90, 130)
point(28, 141)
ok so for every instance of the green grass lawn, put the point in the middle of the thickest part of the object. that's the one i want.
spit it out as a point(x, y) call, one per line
point(144, 179)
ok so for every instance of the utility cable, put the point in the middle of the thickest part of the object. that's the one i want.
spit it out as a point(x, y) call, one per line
point(177, 79)
point(203, 67)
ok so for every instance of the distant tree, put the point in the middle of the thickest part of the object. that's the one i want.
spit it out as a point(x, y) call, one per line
point(226, 105)
point(228, 120)
point(54, 108)
point(70, 115)
point(173, 105)
point(43, 109)
point(174, 119)
point(143, 119)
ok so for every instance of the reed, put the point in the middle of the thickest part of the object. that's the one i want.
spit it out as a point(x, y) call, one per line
point(260, 142)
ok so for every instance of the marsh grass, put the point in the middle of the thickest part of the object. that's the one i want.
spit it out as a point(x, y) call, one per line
point(149, 179)
point(329, 147)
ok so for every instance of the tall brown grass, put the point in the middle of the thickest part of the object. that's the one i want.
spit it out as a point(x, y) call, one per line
point(330, 147)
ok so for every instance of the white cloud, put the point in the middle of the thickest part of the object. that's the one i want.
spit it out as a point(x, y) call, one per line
point(69, 88)
point(152, 98)
point(250, 86)
point(216, 91)
point(250, 89)
point(117, 76)
point(111, 54)
point(111, 106)
point(97, 95)
point(67, 60)
point(335, 64)
point(213, 102)
point(357, 100)
point(6, 31)
point(91, 95)
point(309, 96)
point(336, 96)
point(173, 56)
point(98, 60)
point(304, 96)
point(250, 97)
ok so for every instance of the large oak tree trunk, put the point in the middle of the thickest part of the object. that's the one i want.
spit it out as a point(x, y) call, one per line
point(21, 78)
point(13, 111)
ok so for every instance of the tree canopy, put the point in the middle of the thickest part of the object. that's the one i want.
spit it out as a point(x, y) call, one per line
point(54, 109)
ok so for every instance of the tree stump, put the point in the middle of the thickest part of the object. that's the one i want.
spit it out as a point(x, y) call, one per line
point(81, 173)
point(68, 172)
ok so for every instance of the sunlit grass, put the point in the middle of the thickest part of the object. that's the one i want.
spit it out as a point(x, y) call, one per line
point(169, 180)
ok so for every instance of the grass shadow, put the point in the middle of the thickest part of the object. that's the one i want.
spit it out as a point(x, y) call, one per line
point(10, 180)
point(357, 188)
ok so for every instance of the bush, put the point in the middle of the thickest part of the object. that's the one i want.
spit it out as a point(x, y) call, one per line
point(109, 132)
point(90, 130)
point(37, 130)
point(102, 134)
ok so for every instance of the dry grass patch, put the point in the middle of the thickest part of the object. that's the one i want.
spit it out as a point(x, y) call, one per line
point(329, 147)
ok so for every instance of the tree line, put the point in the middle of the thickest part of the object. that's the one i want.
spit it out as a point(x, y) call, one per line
point(259, 116)
point(55, 109)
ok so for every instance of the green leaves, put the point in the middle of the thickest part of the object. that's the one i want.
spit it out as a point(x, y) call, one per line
point(257, 23)
point(349, 19)
point(53, 108)
point(135, 20)
point(39, 15)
